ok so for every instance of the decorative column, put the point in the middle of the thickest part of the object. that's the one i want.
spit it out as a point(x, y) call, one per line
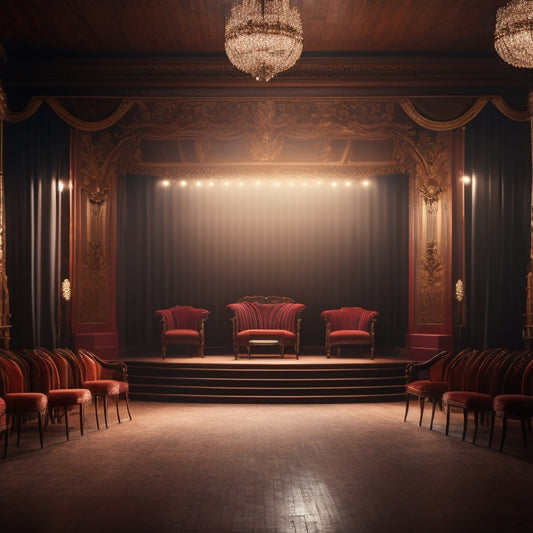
point(430, 313)
point(94, 323)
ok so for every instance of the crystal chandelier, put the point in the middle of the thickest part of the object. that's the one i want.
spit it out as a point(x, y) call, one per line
point(264, 37)
point(513, 36)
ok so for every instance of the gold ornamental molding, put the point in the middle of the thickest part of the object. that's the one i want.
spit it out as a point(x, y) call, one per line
point(264, 131)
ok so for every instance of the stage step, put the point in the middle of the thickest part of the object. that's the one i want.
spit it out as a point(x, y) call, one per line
point(254, 382)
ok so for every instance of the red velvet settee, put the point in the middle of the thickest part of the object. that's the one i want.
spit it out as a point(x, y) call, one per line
point(266, 321)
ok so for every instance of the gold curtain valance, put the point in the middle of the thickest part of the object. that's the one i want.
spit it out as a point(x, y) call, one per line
point(409, 105)
point(471, 112)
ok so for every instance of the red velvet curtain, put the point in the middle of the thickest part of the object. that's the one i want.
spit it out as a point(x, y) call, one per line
point(207, 246)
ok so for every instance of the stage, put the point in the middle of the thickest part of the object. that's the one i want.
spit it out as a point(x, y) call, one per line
point(266, 378)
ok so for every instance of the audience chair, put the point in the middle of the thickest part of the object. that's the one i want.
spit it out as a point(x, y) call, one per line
point(4, 428)
point(515, 403)
point(105, 379)
point(428, 381)
point(59, 399)
point(481, 381)
point(21, 403)
point(183, 324)
point(349, 326)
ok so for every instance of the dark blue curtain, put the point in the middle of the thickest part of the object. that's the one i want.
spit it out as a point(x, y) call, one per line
point(207, 246)
point(36, 157)
point(497, 229)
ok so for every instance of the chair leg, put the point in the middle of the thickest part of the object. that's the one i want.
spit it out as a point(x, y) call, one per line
point(116, 407)
point(447, 419)
point(164, 350)
point(19, 424)
point(492, 420)
point(105, 410)
point(127, 404)
point(82, 413)
point(476, 424)
point(465, 422)
point(96, 413)
point(406, 406)
point(504, 431)
point(41, 429)
point(433, 413)
point(422, 403)
point(65, 411)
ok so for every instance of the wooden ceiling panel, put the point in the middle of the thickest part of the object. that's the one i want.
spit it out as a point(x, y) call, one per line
point(197, 26)
point(119, 47)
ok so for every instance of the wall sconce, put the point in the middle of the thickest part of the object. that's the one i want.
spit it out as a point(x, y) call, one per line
point(66, 290)
point(459, 291)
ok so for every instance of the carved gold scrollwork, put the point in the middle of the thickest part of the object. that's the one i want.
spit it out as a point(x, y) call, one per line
point(97, 191)
point(92, 295)
point(432, 264)
point(430, 191)
point(430, 310)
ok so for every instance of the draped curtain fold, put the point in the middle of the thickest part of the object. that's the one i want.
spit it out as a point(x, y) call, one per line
point(36, 158)
point(207, 247)
point(497, 229)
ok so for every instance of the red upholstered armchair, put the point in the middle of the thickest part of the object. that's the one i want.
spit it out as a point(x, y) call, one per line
point(266, 321)
point(183, 324)
point(349, 326)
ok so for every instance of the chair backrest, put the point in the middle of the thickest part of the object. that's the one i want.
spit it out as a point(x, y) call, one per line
point(432, 369)
point(92, 371)
point(76, 369)
point(47, 373)
point(182, 317)
point(14, 379)
point(527, 379)
point(514, 375)
point(436, 371)
point(252, 315)
point(492, 370)
point(457, 367)
point(63, 368)
point(350, 318)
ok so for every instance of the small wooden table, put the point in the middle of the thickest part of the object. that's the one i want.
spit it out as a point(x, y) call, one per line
point(263, 342)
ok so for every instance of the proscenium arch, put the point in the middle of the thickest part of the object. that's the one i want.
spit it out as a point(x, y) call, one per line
point(102, 157)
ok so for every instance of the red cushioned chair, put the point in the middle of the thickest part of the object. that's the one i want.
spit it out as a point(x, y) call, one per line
point(183, 324)
point(349, 326)
point(60, 399)
point(481, 380)
point(4, 428)
point(516, 400)
point(428, 381)
point(105, 379)
point(21, 403)
point(266, 321)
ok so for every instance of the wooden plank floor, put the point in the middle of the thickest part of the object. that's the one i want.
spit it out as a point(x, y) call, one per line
point(342, 468)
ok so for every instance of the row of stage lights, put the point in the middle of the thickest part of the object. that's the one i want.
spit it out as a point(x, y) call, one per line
point(275, 184)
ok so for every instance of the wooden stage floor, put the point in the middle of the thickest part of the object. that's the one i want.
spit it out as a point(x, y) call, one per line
point(265, 359)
